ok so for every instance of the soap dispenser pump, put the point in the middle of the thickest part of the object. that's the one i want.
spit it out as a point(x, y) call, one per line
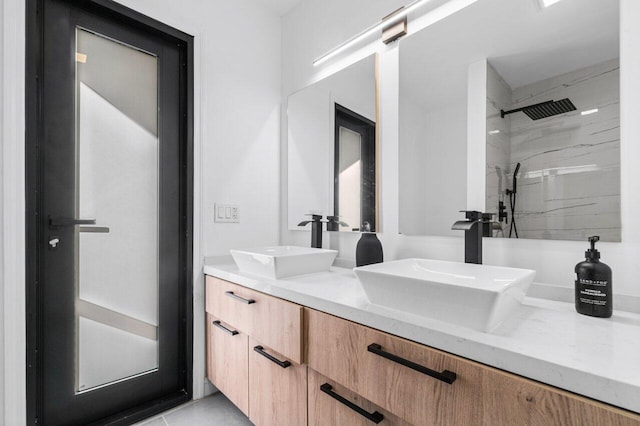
point(593, 284)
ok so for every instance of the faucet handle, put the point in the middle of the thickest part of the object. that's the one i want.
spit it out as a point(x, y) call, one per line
point(488, 217)
point(472, 214)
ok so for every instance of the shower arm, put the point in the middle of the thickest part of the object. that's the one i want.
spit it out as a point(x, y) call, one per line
point(503, 112)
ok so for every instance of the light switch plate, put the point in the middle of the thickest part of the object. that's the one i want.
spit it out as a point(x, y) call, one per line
point(226, 213)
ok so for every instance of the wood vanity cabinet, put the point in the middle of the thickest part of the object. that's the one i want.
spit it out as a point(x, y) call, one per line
point(283, 364)
point(331, 404)
point(277, 388)
point(425, 386)
point(254, 353)
point(274, 322)
point(228, 361)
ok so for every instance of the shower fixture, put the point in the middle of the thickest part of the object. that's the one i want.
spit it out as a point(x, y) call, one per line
point(544, 109)
point(512, 193)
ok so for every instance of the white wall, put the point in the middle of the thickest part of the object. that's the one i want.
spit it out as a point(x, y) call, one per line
point(2, 38)
point(239, 130)
point(237, 134)
point(554, 260)
point(433, 176)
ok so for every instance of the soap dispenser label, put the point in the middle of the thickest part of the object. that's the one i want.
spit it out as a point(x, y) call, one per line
point(593, 292)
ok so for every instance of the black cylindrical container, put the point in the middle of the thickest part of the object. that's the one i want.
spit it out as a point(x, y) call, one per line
point(594, 285)
point(368, 250)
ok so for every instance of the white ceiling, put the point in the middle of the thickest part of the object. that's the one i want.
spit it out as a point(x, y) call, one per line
point(523, 42)
point(281, 7)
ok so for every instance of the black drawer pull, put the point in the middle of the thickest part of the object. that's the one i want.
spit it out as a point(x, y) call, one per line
point(238, 298)
point(225, 329)
point(446, 376)
point(375, 417)
point(260, 350)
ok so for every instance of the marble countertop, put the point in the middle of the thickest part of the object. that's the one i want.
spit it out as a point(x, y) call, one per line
point(547, 341)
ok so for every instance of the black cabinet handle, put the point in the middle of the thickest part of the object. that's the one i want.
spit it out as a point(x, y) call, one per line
point(446, 376)
point(260, 350)
point(375, 417)
point(225, 329)
point(238, 298)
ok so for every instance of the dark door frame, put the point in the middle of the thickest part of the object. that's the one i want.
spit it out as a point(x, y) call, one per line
point(344, 117)
point(34, 178)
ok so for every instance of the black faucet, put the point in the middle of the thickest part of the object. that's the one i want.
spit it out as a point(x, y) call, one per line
point(473, 229)
point(316, 229)
point(334, 223)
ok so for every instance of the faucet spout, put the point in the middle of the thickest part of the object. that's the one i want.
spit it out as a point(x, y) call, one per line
point(463, 225)
point(473, 230)
point(316, 230)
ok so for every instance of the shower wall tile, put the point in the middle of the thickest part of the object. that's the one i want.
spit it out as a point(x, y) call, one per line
point(569, 180)
point(498, 140)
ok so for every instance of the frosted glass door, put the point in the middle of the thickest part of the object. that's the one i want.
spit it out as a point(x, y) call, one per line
point(117, 151)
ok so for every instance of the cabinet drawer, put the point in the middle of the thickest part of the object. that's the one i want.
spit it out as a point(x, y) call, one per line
point(230, 303)
point(277, 388)
point(228, 361)
point(326, 408)
point(272, 321)
point(338, 349)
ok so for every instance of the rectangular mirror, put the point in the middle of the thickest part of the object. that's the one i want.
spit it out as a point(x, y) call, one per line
point(565, 154)
point(332, 149)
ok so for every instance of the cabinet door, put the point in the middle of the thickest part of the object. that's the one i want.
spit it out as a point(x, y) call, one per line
point(275, 322)
point(228, 362)
point(331, 404)
point(277, 388)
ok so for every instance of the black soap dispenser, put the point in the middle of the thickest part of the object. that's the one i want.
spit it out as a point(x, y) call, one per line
point(593, 284)
point(369, 247)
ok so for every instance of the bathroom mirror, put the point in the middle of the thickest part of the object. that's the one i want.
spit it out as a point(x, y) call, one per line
point(332, 149)
point(568, 181)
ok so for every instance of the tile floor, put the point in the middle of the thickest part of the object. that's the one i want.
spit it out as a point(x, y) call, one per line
point(214, 410)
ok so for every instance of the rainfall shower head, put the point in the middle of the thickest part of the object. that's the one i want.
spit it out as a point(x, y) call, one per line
point(544, 109)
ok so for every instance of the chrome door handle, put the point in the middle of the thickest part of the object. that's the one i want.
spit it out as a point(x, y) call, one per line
point(57, 222)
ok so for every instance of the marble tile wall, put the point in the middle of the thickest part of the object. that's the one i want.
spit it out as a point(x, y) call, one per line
point(498, 145)
point(569, 180)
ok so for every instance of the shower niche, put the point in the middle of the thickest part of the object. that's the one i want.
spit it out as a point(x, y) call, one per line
point(512, 108)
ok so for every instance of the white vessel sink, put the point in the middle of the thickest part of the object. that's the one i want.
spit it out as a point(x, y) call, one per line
point(283, 261)
point(474, 296)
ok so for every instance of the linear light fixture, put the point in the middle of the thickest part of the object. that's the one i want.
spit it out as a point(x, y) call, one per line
point(384, 22)
point(589, 111)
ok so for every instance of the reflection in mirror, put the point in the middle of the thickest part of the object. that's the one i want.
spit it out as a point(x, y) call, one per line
point(567, 185)
point(433, 132)
point(355, 169)
point(553, 129)
point(332, 149)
